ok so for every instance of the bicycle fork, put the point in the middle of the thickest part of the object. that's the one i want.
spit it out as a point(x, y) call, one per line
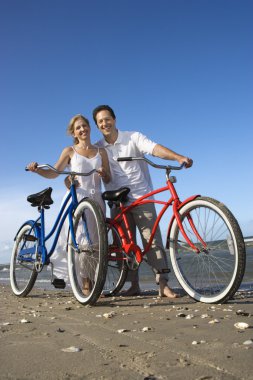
point(194, 229)
point(176, 205)
point(86, 232)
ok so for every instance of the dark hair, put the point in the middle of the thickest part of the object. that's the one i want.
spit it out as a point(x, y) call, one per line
point(103, 108)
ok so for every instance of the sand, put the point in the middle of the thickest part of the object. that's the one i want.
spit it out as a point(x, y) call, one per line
point(141, 337)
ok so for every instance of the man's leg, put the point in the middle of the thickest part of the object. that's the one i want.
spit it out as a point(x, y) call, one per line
point(144, 217)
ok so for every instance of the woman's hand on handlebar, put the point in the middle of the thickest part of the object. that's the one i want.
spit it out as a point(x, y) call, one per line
point(102, 172)
point(32, 167)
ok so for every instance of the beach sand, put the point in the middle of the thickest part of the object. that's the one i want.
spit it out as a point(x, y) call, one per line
point(156, 341)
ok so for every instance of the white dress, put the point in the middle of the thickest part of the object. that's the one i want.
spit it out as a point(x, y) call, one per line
point(90, 186)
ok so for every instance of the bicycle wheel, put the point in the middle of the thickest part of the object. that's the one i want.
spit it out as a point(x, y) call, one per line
point(214, 274)
point(22, 267)
point(87, 266)
point(117, 268)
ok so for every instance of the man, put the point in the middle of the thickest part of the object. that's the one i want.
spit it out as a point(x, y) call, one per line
point(135, 175)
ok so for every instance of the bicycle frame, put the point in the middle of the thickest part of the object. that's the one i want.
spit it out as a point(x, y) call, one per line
point(121, 222)
point(39, 224)
point(58, 223)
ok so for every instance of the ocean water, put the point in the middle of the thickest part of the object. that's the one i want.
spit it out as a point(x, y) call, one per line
point(147, 279)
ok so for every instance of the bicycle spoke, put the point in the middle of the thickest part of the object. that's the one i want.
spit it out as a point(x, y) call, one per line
point(87, 261)
point(117, 269)
point(22, 269)
point(210, 274)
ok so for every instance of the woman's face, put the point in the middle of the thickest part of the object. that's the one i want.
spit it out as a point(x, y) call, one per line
point(81, 129)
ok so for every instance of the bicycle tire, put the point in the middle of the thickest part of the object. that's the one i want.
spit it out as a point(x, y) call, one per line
point(214, 274)
point(117, 268)
point(90, 264)
point(22, 268)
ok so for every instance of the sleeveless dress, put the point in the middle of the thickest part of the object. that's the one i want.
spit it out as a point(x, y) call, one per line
point(89, 187)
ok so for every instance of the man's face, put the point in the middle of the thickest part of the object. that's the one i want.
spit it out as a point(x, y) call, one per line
point(105, 122)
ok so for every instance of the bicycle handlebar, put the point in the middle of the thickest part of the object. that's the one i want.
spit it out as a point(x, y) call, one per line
point(64, 172)
point(151, 163)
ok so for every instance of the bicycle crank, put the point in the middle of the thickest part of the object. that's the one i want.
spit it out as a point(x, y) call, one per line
point(132, 263)
point(38, 265)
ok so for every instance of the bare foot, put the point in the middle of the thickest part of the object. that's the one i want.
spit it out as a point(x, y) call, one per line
point(86, 286)
point(134, 290)
point(165, 291)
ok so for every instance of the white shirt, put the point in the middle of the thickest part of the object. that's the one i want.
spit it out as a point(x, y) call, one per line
point(132, 174)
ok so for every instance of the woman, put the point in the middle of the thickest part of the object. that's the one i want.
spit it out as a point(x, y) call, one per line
point(81, 157)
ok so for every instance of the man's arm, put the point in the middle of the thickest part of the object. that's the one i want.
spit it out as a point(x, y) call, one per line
point(168, 154)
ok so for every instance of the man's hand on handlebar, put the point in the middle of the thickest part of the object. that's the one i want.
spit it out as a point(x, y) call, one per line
point(182, 160)
point(185, 160)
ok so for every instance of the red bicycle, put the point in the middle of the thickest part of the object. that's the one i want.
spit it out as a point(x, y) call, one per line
point(204, 240)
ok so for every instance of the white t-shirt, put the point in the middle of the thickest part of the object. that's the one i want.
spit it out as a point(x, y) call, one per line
point(132, 174)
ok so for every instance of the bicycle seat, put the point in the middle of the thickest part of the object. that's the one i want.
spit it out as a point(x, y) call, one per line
point(43, 198)
point(116, 195)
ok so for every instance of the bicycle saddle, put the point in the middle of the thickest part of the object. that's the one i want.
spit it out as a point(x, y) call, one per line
point(116, 195)
point(43, 198)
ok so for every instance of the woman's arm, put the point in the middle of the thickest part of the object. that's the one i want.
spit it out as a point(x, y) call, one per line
point(104, 172)
point(59, 165)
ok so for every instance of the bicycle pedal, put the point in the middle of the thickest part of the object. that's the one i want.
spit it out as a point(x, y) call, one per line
point(30, 237)
point(59, 283)
point(167, 270)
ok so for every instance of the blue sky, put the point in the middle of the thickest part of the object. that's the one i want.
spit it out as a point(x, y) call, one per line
point(178, 71)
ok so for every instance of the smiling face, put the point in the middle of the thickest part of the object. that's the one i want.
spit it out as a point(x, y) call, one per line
point(80, 123)
point(81, 129)
point(106, 124)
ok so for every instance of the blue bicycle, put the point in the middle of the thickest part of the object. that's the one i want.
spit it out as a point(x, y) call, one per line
point(86, 244)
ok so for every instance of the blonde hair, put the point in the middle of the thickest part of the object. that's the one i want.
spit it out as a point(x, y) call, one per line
point(70, 129)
